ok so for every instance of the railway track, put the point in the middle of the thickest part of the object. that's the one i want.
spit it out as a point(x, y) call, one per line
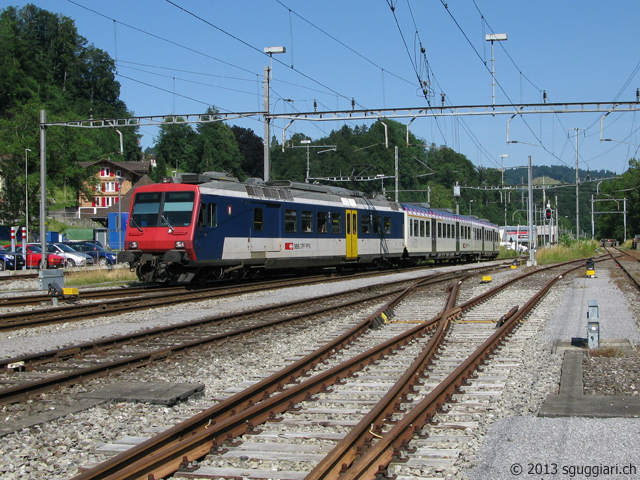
point(128, 300)
point(365, 424)
point(67, 366)
point(629, 262)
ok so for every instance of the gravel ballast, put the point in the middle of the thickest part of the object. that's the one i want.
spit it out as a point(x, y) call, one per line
point(55, 450)
point(527, 446)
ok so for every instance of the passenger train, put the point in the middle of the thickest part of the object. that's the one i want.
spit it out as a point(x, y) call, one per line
point(200, 227)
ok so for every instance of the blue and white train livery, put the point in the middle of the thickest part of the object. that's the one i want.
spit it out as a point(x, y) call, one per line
point(201, 227)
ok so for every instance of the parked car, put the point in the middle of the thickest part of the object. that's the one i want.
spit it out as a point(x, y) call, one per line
point(99, 254)
point(10, 260)
point(34, 257)
point(72, 257)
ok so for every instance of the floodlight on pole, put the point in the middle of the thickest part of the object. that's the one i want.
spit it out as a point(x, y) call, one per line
point(494, 37)
point(267, 128)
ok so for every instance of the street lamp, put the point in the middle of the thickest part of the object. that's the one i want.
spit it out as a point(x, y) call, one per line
point(267, 129)
point(26, 193)
point(470, 202)
point(494, 37)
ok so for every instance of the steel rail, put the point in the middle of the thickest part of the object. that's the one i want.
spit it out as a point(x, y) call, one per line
point(224, 419)
point(159, 298)
point(17, 393)
point(359, 438)
point(391, 444)
point(172, 455)
point(51, 355)
point(624, 269)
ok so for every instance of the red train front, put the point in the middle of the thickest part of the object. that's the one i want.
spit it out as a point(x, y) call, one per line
point(159, 237)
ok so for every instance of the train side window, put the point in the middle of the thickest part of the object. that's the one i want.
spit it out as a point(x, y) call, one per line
point(336, 223)
point(427, 229)
point(376, 224)
point(365, 224)
point(322, 222)
point(290, 221)
point(201, 215)
point(449, 231)
point(439, 230)
point(307, 220)
point(414, 227)
point(258, 219)
point(212, 219)
point(421, 228)
point(387, 225)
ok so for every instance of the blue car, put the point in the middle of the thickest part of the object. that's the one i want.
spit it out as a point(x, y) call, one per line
point(10, 260)
point(99, 254)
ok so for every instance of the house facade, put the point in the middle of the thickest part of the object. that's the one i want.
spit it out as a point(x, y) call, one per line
point(111, 182)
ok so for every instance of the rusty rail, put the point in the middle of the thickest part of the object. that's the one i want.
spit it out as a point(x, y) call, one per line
point(376, 460)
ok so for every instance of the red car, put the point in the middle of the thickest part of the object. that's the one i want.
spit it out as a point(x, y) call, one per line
point(34, 256)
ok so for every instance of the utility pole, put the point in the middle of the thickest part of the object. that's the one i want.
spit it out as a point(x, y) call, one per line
point(502, 157)
point(267, 129)
point(44, 264)
point(532, 256)
point(577, 192)
point(267, 119)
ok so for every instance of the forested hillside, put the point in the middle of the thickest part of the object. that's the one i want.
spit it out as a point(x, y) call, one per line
point(46, 64)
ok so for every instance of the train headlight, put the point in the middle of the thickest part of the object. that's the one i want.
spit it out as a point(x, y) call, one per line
point(179, 244)
point(133, 245)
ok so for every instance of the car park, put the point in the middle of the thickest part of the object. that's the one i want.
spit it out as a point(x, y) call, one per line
point(34, 257)
point(72, 257)
point(11, 260)
point(99, 254)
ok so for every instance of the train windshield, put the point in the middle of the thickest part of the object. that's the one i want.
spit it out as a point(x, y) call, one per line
point(178, 209)
point(153, 209)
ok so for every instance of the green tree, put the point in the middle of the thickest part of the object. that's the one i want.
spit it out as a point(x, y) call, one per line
point(175, 145)
point(627, 186)
point(46, 65)
point(216, 149)
point(251, 148)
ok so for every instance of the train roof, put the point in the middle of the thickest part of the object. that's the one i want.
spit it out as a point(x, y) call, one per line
point(444, 214)
point(279, 190)
point(287, 190)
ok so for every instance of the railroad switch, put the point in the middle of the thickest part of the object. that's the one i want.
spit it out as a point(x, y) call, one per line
point(591, 269)
point(514, 265)
point(486, 279)
point(57, 293)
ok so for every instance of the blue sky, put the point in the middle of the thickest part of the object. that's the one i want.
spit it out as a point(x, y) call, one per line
point(180, 56)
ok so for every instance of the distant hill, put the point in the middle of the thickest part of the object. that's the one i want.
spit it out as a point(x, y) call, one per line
point(554, 174)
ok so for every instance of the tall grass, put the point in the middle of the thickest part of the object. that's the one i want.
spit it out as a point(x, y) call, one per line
point(566, 252)
point(80, 277)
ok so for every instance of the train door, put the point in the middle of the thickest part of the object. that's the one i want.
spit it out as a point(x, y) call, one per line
point(482, 235)
point(265, 228)
point(208, 243)
point(434, 237)
point(352, 234)
point(457, 233)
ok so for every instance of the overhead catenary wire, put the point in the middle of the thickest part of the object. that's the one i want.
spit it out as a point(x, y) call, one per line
point(248, 45)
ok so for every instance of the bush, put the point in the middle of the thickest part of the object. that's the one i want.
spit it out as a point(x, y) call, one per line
point(564, 253)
